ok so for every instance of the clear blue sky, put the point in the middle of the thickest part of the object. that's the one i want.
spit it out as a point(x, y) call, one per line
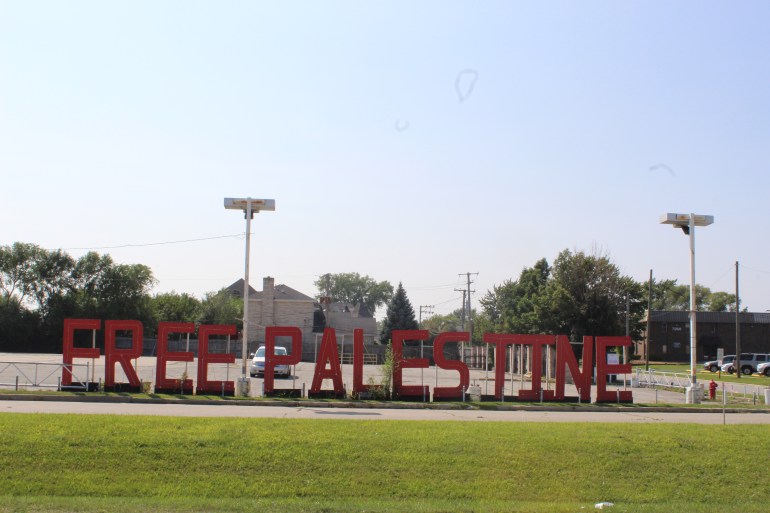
point(409, 141)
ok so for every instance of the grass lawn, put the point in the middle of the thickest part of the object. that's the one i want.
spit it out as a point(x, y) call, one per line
point(125, 463)
point(704, 375)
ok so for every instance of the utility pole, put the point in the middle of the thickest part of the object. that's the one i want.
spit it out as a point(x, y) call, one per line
point(462, 310)
point(647, 335)
point(428, 309)
point(737, 326)
point(628, 329)
point(470, 319)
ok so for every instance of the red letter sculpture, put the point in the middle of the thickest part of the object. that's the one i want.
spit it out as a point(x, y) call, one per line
point(328, 354)
point(412, 391)
point(358, 363)
point(113, 355)
point(500, 341)
point(205, 358)
point(70, 352)
point(272, 359)
point(162, 383)
point(603, 369)
point(565, 357)
point(458, 365)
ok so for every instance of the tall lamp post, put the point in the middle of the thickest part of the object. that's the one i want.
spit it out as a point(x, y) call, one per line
point(688, 222)
point(249, 206)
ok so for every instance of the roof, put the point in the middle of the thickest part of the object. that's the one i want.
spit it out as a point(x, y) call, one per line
point(281, 292)
point(712, 317)
point(284, 293)
point(360, 310)
point(237, 288)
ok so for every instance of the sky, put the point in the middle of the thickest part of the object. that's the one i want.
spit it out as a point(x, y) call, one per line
point(412, 142)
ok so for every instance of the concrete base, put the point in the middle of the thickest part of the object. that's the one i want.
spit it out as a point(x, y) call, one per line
point(244, 386)
point(692, 395)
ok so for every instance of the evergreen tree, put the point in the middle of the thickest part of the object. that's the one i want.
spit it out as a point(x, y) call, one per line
point(400, 315)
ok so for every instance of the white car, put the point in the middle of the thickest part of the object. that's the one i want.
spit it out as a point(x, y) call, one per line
point(258, 363)
point(764, 369)
point(748, 363)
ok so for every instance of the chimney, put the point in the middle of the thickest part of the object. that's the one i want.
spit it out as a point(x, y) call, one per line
point(268, 303)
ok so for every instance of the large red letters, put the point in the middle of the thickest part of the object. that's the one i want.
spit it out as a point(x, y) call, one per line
point(272, 359)
point(328, 354)
point(400, 363)
point(443, 363)
point(603, 369)
point(162, 383)
point(113, 355)
point(70, 352)
point(328, 364)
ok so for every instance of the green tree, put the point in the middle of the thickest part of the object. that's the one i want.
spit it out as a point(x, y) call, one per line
point(221, 307)
point(352, 288)
point(580, 295)
point(400, 315)
point(667, 295)
point(520, 306)
point(174, 307)
point(106, 290)
point(33, 276)
point(436, 324)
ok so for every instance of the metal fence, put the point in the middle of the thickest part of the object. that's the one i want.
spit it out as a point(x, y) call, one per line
point(22, 375)
point(726, 392)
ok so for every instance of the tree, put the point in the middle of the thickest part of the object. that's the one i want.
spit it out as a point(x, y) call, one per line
point(352, 288)
point(667, 295)
point(48, 286)
point(520, 306)
point(720, 302)
point(580, 295)
point(173, 307)
point(33, 276)
point(436, 324)
point(400, 315)
point(221, 307)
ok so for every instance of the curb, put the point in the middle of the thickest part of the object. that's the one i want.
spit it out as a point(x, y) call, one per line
point(376, 405)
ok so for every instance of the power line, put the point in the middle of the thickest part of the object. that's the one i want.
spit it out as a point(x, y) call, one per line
point(155, 243)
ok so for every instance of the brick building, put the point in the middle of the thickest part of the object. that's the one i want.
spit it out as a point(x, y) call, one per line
point(281, 305)
point(670, 335)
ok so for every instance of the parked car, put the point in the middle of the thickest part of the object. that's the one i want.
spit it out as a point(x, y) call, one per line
point(258, 363)
point(715, 365)
point(764, 368)
point(748, 363)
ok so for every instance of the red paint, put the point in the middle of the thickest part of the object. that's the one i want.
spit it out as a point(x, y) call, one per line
point(328, 365)
point(272, 359)
point(500, 341)
point(565, 357)
point(358, 364)
point(327, 354)
point(205, 358)
point(162, 383)
point(457, 365)
point(113, 355)
point(70, 352)
point(603, 369)
point(401, 363)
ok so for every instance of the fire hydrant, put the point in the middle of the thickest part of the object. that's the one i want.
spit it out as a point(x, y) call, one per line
point(713, 390)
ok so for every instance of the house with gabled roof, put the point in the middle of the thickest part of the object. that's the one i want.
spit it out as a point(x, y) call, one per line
point(281, 305)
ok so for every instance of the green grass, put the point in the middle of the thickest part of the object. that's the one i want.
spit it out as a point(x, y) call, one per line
point(125, 463)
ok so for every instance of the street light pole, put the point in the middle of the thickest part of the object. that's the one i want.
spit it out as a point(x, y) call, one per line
point(249, 206)
point(693, 312)
point(688, 222)
point(245, 341)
